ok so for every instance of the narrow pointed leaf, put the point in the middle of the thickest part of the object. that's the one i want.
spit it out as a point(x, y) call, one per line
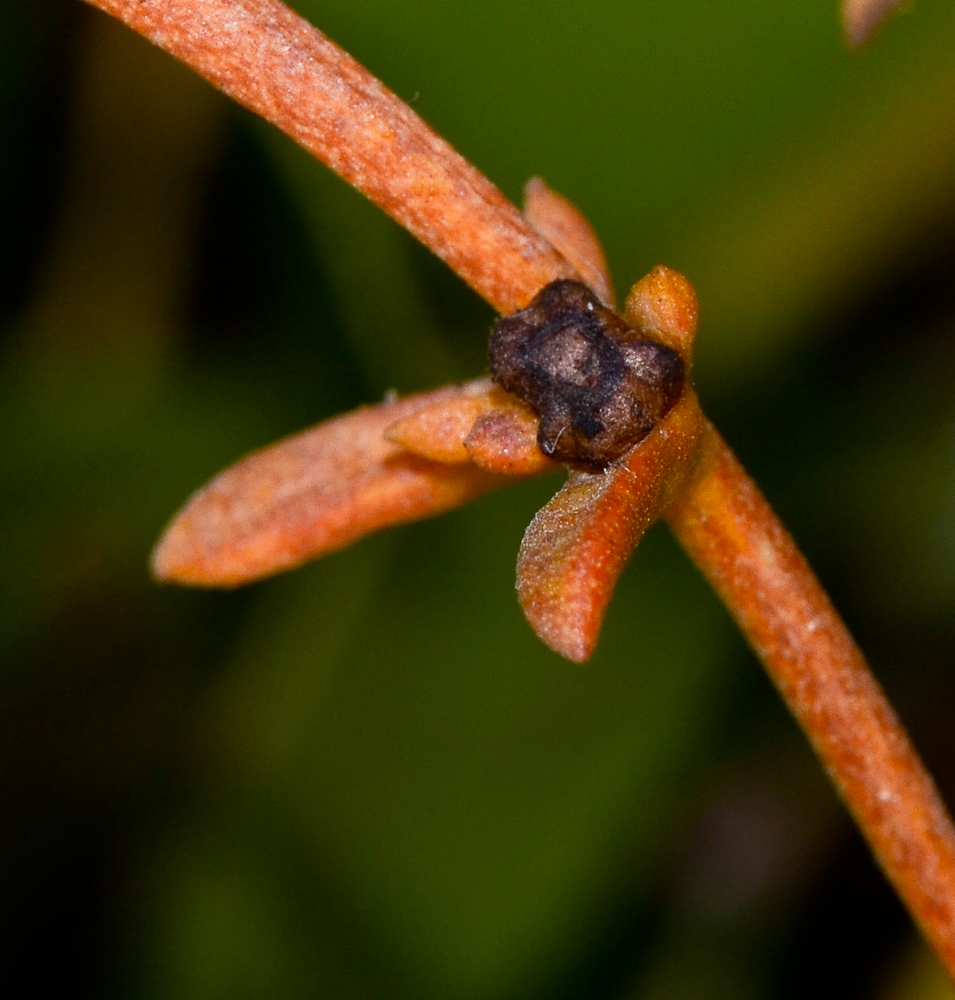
point(576, 547)
point(504, 441)
point(438, 431)
point(310, 494)
point(564, 226)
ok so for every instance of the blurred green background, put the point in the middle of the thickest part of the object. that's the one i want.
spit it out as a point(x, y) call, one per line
point(366, 778)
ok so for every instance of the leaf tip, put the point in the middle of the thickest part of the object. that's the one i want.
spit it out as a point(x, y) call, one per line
point(664, 306)
point(181, 557)
point(861, 19)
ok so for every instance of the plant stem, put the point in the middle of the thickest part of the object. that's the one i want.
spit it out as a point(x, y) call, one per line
point(272, 61)
point(275, 63)
point(732, 534)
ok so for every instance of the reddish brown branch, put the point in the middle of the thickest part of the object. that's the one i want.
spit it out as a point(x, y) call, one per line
point(275, 63)
point(731, 533)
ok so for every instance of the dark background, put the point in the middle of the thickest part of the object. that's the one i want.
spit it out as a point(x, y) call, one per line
point(367, 778)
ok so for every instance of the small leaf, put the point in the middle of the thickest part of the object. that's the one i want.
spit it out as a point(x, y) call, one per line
point(663, 306)
point(437, 431)
point(310, 494)
point(504, 441)
point(576, 547)
point(563, 225)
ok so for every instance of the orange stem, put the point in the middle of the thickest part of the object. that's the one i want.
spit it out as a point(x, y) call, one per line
point(732, 534)
point(275, 63)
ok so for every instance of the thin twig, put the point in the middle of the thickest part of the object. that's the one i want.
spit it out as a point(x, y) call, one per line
point(273, 62)
point(732, 534)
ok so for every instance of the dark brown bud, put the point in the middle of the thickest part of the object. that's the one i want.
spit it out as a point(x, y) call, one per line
point(597, 387)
